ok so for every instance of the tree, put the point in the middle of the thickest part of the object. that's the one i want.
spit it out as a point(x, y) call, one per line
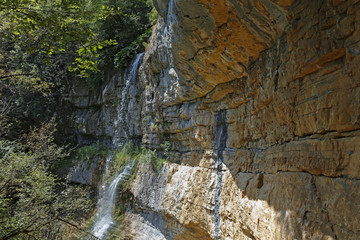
point(45, 27)
point(95, 30)
point(34, 203)
point(39, 41)
point(120, 36)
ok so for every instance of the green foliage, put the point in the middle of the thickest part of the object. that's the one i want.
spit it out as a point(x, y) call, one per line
point(166, 150)
point(153, 14)
point(88, 153)
point(151, 157)
point(33, 201)
point(139, 154)
point(128, 25)
point(88, 33)
point(127, 53)
point(119, 231)
point(130, 49)
point(54, 23)
point(38, 36)
point(28, 78)
point(40, 142)
point(87, 62)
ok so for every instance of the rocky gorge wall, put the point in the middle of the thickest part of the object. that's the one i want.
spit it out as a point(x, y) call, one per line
point(259, 100)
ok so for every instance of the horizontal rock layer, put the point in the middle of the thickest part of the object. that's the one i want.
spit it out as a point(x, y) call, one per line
point(259, 102)
point(285, 75)
point(283, 205)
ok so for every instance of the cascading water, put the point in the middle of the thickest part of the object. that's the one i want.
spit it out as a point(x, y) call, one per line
point(104, 218)
point(130, 77)
point(170, 79)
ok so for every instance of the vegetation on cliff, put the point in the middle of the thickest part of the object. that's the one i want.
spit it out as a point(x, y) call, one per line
point(44, 47)
point(34, 202)
point(47, 45)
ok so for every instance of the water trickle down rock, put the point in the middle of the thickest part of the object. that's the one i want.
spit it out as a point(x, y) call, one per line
point(220, 145)
point(170, 79)
point(106, 204)
point(123, 127)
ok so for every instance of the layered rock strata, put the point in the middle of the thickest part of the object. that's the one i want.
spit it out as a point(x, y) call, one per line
point(284, 163)
point(109, 115)
point(259, 102)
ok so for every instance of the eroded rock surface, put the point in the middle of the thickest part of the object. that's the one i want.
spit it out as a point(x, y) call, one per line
point(112, 114)
point(259, 102)
point(286, 74)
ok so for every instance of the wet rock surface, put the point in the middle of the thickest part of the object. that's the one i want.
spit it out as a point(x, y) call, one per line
point(111, 114)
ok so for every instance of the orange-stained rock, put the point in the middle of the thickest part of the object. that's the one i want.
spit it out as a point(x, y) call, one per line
point(283, 3)
point(315, 66)
point(276, 86)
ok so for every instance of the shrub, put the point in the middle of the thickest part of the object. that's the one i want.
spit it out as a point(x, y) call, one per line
point(88, 153)
point(33, 200)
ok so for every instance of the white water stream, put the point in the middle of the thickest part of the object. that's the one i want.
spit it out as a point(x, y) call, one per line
point(107, 197)
point(121, 121)
point(106, 204)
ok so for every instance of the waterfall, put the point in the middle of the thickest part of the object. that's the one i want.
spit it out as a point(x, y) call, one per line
point(107, 196)
point(171, 19)
point(121, 122)
point(106, 204)
point(170, 78)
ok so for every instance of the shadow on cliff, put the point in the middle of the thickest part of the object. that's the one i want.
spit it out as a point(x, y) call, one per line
point(285, 205)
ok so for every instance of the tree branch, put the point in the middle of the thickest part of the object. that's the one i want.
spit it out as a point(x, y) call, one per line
point(3, 186)
point(17, 232)
point(16, 75)
point(77, 227)
point(27, 231)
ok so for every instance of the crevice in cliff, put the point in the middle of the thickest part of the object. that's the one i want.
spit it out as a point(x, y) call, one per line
point(248, 232)
point(253, 27)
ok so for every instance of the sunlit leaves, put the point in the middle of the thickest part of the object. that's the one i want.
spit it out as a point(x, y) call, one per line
point(88, 58)
point(56, 21)
point(99, 28)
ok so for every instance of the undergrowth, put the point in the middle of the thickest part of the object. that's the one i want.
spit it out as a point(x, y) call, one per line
point(139, 154)
point(89, 152)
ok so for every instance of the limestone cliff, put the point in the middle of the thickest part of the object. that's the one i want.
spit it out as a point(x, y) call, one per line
point(260, 102)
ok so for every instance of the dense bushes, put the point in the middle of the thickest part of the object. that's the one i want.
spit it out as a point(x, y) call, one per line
point(39, 42)
point(34, 202)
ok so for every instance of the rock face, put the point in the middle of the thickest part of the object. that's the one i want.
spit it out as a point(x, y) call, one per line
point(112, 114)
point(259, 101)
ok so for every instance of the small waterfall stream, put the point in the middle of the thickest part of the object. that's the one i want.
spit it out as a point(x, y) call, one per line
point(121, 122)
point(104, 218)
point(106, 203)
